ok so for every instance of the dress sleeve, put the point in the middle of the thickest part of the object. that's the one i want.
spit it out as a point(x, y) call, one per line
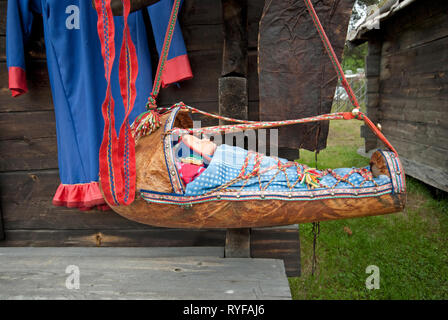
point(177, 67)
point(18, 29)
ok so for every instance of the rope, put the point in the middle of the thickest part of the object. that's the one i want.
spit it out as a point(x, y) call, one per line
point(256, 125)
point(164, 54)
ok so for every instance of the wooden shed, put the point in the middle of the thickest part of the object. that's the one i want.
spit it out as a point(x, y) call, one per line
point(28, 149)
point(407, 83)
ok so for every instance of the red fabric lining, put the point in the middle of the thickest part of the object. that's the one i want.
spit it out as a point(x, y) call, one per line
point(85, 196)
point(188, 172)
point(175, 70)
point(17, 81)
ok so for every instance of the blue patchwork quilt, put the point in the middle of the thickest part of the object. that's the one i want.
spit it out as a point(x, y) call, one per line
point(228, 161)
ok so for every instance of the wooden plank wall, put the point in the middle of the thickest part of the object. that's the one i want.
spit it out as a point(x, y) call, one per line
point(413, 89)
point(28, 150)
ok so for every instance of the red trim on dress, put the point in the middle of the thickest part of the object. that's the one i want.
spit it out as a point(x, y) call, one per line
point(17, 81)
point(175, 70)
point(85, 196)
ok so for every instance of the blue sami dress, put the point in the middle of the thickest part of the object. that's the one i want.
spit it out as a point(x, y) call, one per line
point(76, 72)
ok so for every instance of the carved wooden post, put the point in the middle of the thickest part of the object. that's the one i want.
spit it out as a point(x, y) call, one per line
point(233, 100)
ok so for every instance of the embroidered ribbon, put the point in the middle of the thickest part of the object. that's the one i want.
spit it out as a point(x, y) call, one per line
point(117, 154)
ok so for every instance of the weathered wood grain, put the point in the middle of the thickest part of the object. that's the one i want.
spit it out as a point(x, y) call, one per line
point(418, 132)
point(28, 274)
point(421, 32)
point(434, 176)
point(148, 237)
point(27, 125)
point(2, 48)
point(2, 232)
point(206, 66)
point(413, 91)
point(252, 79)
point(424, 59)
point(278, 243)
point(235, 25)
point(26, 202)
point(237, 243)
point(3, 6)
point(415, 106)
point(202, 27)
point(38, 97)
point(233, 101)
point(28, 154)
point(420, 19)
point(202, 37)
point(254, 11)
point(201, 12)
point(150, 252)
point(424, 153)
point(275, 243)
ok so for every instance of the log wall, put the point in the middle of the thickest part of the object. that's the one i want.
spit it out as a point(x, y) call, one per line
point(407, 70)
point(28, 151)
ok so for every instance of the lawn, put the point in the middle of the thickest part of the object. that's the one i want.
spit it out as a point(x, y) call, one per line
point(410, 248)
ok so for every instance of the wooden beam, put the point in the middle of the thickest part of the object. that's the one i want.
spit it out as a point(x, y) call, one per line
point(278, 243)
point(234, 60)
point(233, 95)
point(233, 92)
point(233, 101)
point(2, 232)
point(237, 243)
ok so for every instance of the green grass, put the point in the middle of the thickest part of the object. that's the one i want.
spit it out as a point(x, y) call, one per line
point(410, 248)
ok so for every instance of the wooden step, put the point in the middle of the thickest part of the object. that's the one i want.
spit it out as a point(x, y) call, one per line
point(138, 273)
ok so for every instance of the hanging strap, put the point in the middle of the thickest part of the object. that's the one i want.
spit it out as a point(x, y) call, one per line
point(152, 104)
point(117, 154)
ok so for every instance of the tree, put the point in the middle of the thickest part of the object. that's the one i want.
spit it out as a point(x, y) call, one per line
point(354, 58)
point(360, 11)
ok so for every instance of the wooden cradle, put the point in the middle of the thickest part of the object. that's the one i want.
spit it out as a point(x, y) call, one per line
point(159, 200)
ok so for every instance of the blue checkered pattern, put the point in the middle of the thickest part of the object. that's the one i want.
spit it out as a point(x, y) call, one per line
point(228, 161)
